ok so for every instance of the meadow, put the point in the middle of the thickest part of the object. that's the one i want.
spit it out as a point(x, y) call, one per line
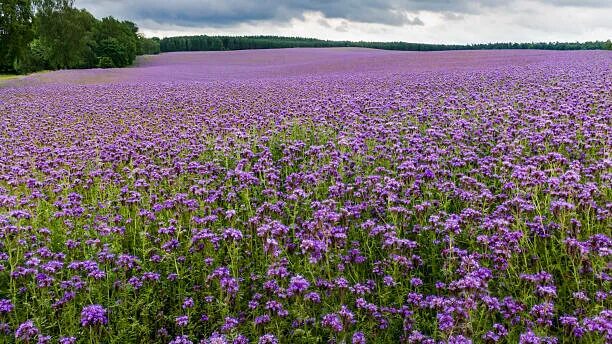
point(310, 196)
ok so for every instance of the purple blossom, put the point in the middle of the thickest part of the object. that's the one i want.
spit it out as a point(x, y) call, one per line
point(358, 338)
point(181, 340)
point(267, 339)
point(333, 322)
point(68, 340)
point(26, 331)
point(188, 303)
point(93, 315)
point(297, 285)
point(182, 320)
point(6, 306)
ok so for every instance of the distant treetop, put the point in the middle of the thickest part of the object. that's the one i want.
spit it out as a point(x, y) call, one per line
point(213, 43)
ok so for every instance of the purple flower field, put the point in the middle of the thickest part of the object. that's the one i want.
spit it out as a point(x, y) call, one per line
point(310, 196)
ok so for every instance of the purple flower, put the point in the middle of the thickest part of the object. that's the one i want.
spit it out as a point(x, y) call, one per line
point(229, 285)
point(241, 339)
point(6, 306)
point(188, 303)
point(67, 340)
point(26, 331)
point(267, 339)
point(5, 328)
point(531, 338)
point(601, 324)
point(445, 321)
point(313, 297)
point(217, 338)
point(93, 315)
point(232, 234)
point(388, 281)
point(358, 338)
point(229, 324)
point(333, 321)
point(459, 339)
point(181, 340)
point(43, 339)
point(262, 319)
point(182, 320)
point(297, 285)
point(543, 313)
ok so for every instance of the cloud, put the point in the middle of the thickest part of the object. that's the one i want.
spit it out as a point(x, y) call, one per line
point(452, 16)
point(432, 21)
point(324, 22)
point(580, 3)
point(231, 12)
point(343, 27)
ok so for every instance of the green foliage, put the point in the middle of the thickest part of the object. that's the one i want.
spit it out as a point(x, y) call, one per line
point(35, 59)
point(52, 34)
point(206, 43)
point(148, 46)
point(117, 40)
point(15, 32)
point(111, 49)
point(106, 62)
point(66, 34)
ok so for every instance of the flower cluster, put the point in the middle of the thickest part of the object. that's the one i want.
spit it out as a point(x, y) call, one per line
point(93, 315)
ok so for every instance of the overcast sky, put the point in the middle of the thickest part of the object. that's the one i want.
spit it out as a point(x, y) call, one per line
point(429, 21)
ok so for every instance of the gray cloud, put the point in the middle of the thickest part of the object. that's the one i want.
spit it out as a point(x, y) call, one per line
point(230, 12)
point(324, 22)
point(413, 20)
point(580, 3)
point(343, 27)
point(214, 13)
point(452, 16)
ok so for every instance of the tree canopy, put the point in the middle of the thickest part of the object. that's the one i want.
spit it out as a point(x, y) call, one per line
point(53, 34)
point(15, 31)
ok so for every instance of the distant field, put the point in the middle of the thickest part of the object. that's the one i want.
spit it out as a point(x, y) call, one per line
point(7, 79)
point(300, 62)
point(310, 196)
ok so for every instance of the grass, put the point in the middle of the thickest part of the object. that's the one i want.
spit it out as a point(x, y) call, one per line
point(4, 77)
point(8, 77)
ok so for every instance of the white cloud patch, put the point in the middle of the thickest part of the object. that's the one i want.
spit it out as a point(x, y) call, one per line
point(452, 22)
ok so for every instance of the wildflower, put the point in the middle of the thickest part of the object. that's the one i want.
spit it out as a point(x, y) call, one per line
point(93, 315)
point(26, 331)
point(6, 306)
point(267, 339)
point(182, 320)
point(313, 297)
point(181, 340)
point(358, 338)
point(232, 234)
point(67, 340)
point(332, 321)
point(297, 285)
point(188, 303)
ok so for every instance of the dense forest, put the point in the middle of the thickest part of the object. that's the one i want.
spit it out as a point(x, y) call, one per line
point(53, 34)
point(206, 43)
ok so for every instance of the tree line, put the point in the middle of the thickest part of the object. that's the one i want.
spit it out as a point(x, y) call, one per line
point(212, 43)
point(53, 34)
